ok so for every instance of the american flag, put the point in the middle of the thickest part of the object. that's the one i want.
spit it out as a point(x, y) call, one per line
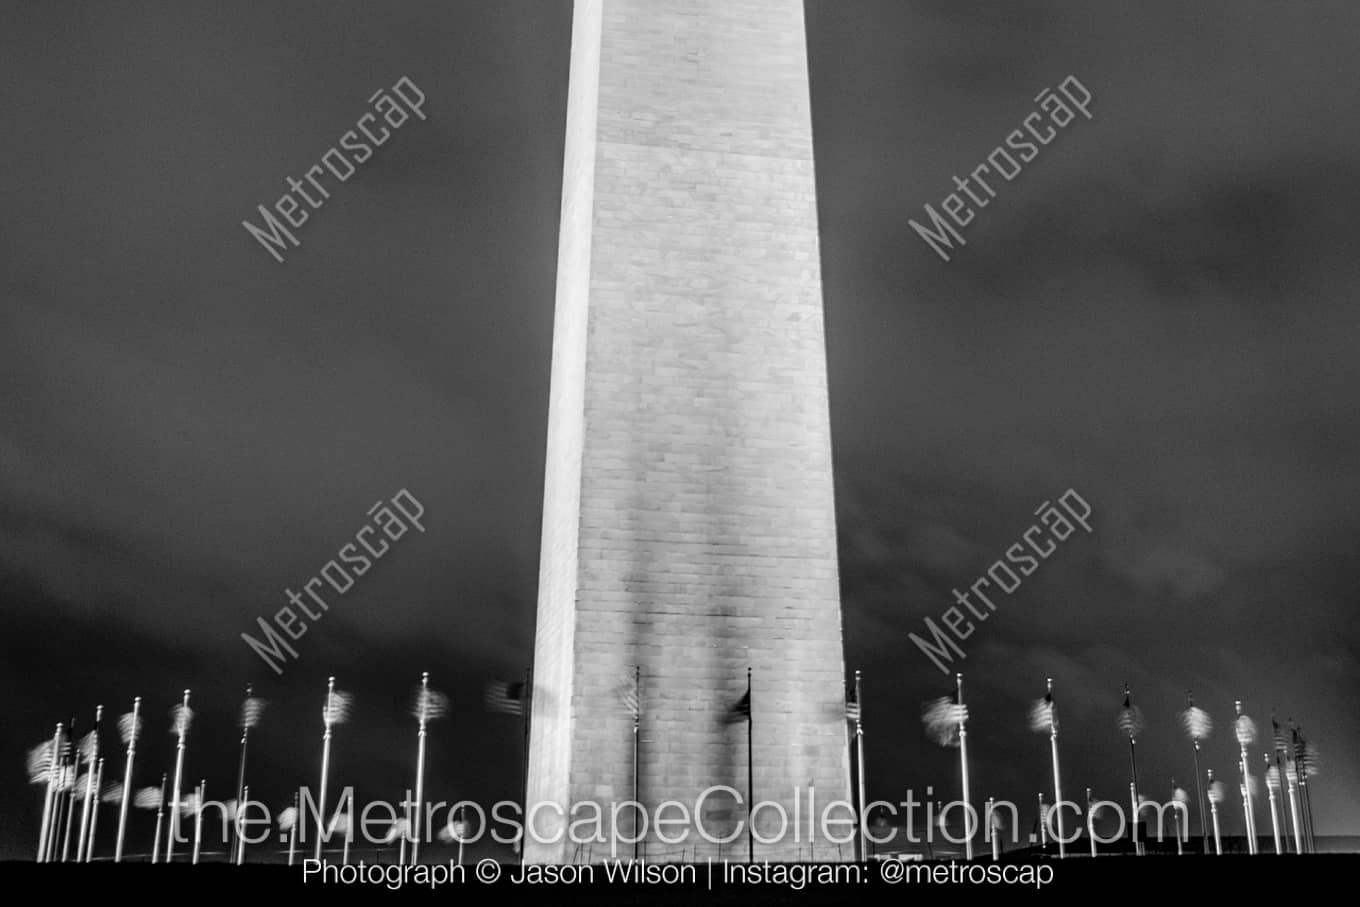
point(1043, 714)
point(627, 692)
point(943, 718)
point(251, 710)
point(506, 697)
point(1281, 745)
point(852, 710)
point(429, 704)
point(1130, 717)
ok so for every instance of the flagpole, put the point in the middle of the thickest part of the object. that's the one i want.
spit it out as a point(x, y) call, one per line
point(1133, 833)
point(74, 769)
point(1057, 782)
point(991, 830)
point(127, 777)
point(69, 807)
point(199, 793)
point(160, 813)
point(637, 722)
point(65, 818)
point(1309, 839)
point(94, 810)
point(90, 761)
point(182, 722)
point(420, 766)
point(859, 748)
point(1199, 786)
point(1307, 800)
point(1199, 796)
point(750, 771)
point(241, 766)
point(1308, 811)
point(46, 818)
point(49, 854)
point(292, 832)
point(1133, 826)
point(1213, 808)
point(59, 799)
point(49, 798)
point(1276, 739)
point(1271, 789)
point(1180, 834)
point(1043, 830)
point(1310, 836)
point(325, 765)
point(1090, 820)
point(1133, 774)
point(1250, 813)
point(240, 825)
point(1301, 784)
point(58, 796)
point(963, 765)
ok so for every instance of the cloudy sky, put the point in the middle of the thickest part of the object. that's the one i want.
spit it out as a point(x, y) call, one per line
point(1156, 313)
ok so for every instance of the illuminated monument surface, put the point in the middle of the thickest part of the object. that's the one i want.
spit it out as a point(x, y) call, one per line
point(689, 521)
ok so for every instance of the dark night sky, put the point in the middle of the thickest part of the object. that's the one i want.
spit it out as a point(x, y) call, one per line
point(1156, 313)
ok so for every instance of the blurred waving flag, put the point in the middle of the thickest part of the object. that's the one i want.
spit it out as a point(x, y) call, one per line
point(40, 763)
point(251, 710)
point(943, 717)
point(1043, 714)
point(338, 707)
point(181, 717)
point(852, 708)
point(1196, 722)
point(627, 694)
point(743, 707)
point(428, 704)
point(148, 798)
point(1130, 717)
point(129, 727)
point(506, 697)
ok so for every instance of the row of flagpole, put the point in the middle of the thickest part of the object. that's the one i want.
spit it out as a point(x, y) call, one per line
point(57, 763)
point(946, 721)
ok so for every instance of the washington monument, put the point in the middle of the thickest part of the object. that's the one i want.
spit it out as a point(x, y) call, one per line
point(689, 518)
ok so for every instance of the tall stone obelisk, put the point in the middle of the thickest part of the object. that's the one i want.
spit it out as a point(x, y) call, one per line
point(689, 519)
